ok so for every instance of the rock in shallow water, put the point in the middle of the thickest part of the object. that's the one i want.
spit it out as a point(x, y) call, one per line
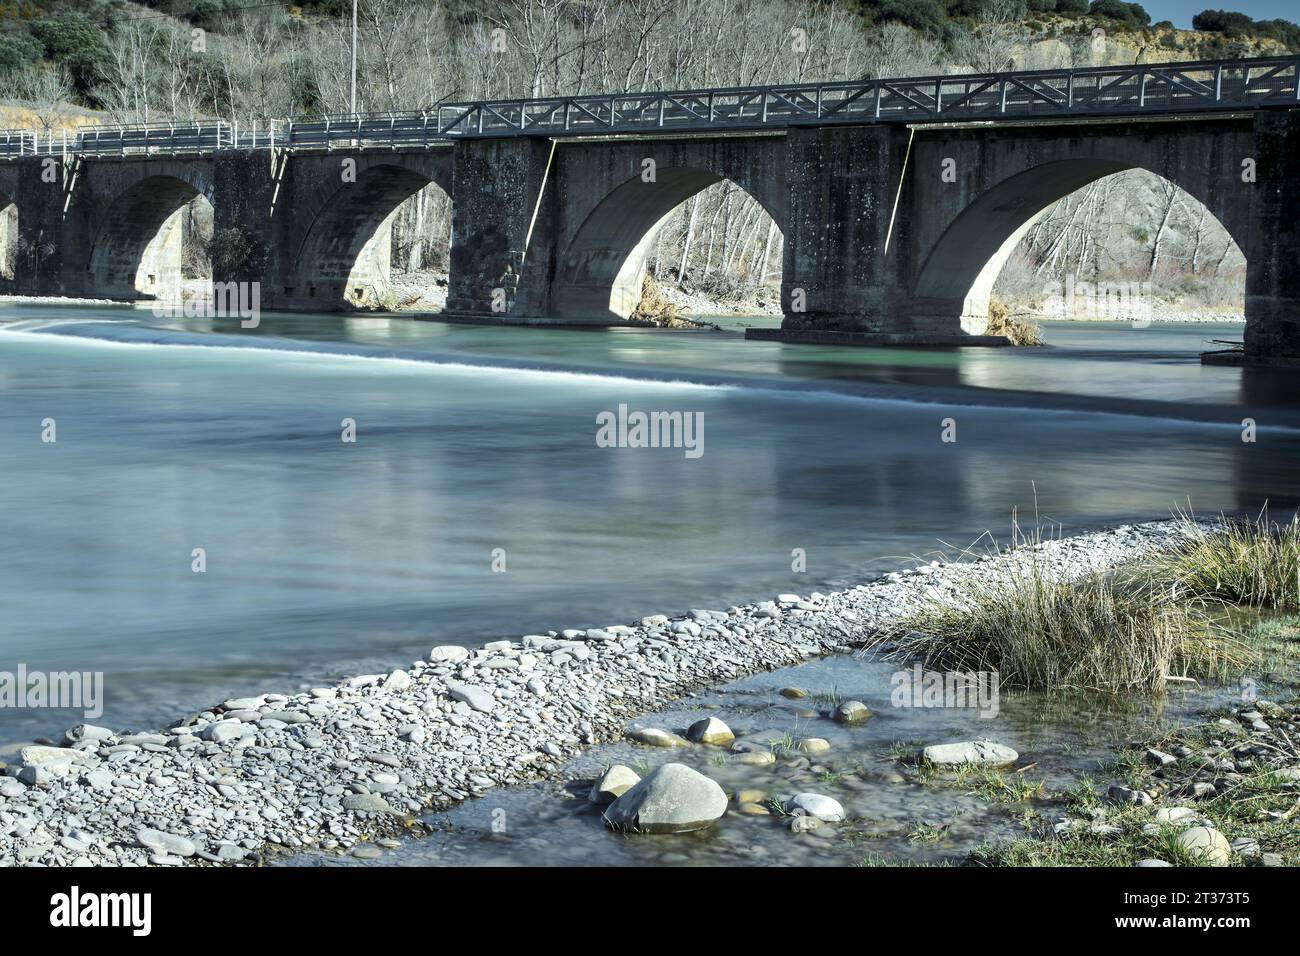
point(813, 745)
point(672, 799)
point(817, 805)
point(710, 730)
point(656, 737)
point(852, 712)
point(86, 732)
point(983, 752)
point(613, 783)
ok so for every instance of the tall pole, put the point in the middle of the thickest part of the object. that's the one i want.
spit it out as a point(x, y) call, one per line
point(352, 107)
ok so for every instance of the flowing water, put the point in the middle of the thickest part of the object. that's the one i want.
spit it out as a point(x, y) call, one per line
point(326, 557)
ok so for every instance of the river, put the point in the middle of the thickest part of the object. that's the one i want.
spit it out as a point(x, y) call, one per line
point(475, 501)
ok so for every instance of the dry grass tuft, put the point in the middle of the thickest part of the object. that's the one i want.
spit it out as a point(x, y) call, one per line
point(1019, 331)
point(1250, 561)
point(1112, 632)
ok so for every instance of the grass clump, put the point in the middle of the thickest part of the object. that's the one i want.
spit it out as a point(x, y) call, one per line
point(1249, 561)
point(1110, 632)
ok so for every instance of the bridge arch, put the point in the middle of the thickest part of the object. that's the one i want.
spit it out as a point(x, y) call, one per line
point(138, 246)
point(957, 276)
point(600, 271)
point(343, 257)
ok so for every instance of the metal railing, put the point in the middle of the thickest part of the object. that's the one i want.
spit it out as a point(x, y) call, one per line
point(1145, 89)
point(1104, 91)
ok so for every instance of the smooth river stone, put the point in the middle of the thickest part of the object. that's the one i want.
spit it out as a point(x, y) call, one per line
point(672, 799)
point(982, 752)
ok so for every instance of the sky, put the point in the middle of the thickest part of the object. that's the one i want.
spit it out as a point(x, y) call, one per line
point(1182, 11)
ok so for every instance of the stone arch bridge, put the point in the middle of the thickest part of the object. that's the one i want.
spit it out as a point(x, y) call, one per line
point(895, 226)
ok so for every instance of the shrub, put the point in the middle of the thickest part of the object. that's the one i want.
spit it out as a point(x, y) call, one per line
point(18, 52)
point(76, 42)
point(1133, 14)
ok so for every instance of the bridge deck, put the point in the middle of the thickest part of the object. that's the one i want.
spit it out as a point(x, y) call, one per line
point(1139, 90)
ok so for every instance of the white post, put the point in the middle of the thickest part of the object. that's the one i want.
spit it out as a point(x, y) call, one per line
point(352, 102)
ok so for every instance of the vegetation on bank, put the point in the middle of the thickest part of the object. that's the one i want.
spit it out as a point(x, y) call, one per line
point(1251, 561)
point(1244, 786)
point(1131, 628)
point(1019, 330)
point(1116, 631)
point(1206, 609)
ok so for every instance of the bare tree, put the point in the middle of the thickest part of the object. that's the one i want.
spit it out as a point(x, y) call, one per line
point(46, 91)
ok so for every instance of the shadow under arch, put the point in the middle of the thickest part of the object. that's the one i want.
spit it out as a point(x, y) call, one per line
point(960, 270)
point(137, 249)
point(345, 258)
point(599, 274)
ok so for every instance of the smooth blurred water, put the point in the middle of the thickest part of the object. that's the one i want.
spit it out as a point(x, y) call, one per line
point(326, 558)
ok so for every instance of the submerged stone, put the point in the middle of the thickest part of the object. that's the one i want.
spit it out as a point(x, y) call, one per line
point(982, 752)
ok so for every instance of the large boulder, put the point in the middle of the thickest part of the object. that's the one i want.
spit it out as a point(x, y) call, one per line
point(982, 752)
point(672, 799)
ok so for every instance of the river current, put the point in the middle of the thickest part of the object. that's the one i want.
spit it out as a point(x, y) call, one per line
point(475, 501)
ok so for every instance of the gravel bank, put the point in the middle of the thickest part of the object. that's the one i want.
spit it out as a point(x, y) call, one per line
point(340, 764)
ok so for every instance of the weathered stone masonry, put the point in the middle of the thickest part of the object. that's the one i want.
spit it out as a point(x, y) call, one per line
point(879, 245)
